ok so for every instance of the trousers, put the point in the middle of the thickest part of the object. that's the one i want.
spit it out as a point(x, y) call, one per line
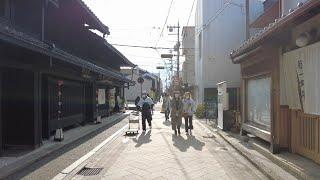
point(167, 112)
point(148, 117)
point(188, 122)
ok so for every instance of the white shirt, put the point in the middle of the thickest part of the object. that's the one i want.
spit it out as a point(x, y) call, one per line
point(188, 106)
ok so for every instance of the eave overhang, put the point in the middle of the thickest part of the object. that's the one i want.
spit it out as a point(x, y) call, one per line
point(11, 35)
point(97, 24)
point(269, 32)
point(125, 60)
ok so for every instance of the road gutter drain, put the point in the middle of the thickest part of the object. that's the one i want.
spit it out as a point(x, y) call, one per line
point(89, 171)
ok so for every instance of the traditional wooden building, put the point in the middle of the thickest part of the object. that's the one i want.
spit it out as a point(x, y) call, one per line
point(281, 78)
point(55, 72)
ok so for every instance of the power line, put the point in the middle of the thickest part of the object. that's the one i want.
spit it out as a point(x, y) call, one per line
point(191, 11)
point(146, 47)
point(165, 22)
point(220, 11)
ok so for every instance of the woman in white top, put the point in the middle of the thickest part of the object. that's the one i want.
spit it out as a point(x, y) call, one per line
point(188, 111)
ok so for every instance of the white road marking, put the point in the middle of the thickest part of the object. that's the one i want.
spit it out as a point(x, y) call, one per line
point(74, 165)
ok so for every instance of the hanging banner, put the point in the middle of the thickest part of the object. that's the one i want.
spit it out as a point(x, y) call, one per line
point(300, 75)
point(112, 101)
point(101, 96)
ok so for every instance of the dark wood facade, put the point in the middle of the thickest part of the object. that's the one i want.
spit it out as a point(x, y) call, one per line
point(290, 130)
point(51, 65)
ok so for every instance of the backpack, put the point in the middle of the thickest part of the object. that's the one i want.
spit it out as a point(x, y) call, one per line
point(146, 106)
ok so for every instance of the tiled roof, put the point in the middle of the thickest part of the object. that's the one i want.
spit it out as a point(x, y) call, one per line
point(10, 34)
point(276, 26)
point(102, 27)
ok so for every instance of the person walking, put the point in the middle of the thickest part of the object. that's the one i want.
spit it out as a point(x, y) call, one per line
point(166, 106)
point(188, 111)
point(152, 106)
point(136, 101)
point(145, 104)
point(176, 112)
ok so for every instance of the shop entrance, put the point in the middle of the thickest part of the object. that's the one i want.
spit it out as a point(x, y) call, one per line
point(17, 109)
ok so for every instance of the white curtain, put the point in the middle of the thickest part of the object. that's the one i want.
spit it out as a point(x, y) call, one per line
point(258, 101)
point(311, 68)
point(289, 80)
point(310, 58)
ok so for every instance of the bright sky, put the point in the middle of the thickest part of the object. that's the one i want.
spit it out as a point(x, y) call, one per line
point(139, 22)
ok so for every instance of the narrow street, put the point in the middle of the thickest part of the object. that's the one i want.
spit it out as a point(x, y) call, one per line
point(245, 75)
point(159, 154)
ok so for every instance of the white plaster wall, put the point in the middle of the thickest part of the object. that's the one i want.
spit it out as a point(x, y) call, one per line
point(222, 29)
point(256, 9)
point(134, 91)
point(198, 60)
point(188, 42)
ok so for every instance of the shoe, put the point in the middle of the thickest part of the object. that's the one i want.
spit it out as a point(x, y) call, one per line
point(144, 130)
point(175, 132)
point(190, 132)
point(187, 133)
point(150, 127)
point(179, 131)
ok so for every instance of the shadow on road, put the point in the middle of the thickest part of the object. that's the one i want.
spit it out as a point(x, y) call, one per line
point(183, 144)
point(143, 139)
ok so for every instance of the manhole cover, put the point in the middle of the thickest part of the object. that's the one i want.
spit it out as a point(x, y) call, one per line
point(89, 171)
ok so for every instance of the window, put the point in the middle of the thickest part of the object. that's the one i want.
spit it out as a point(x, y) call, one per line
point(258, 101)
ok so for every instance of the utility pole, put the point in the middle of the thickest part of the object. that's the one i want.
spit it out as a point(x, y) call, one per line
point(177, 47)
point(178, 52)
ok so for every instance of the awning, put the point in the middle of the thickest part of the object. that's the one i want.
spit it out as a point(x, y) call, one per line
point(301, 13)
point(11, 35)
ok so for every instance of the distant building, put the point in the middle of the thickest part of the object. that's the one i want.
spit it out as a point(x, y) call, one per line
point(188, 70)
point(152, 84)
point(220, 27)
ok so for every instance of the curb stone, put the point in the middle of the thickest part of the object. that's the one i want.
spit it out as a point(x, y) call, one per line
point(247, 155)
point(280, 162)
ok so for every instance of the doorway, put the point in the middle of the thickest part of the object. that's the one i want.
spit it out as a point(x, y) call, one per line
point(17, 109)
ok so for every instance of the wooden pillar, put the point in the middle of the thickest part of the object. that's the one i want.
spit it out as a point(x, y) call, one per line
point(243, 102)
point(37, 109)
point(275, 105)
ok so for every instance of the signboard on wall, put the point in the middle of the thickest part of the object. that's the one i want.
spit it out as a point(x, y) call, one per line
point(222, 102)
point(101, 96)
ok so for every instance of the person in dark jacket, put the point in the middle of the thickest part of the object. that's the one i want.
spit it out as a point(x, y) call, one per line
point(176, 112)
point(145, 104)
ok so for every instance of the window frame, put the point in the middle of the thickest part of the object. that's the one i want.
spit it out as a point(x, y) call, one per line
point(246, 115)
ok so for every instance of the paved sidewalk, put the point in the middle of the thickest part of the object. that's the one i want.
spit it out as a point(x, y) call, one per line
point(158, 154)
point(10, 166)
